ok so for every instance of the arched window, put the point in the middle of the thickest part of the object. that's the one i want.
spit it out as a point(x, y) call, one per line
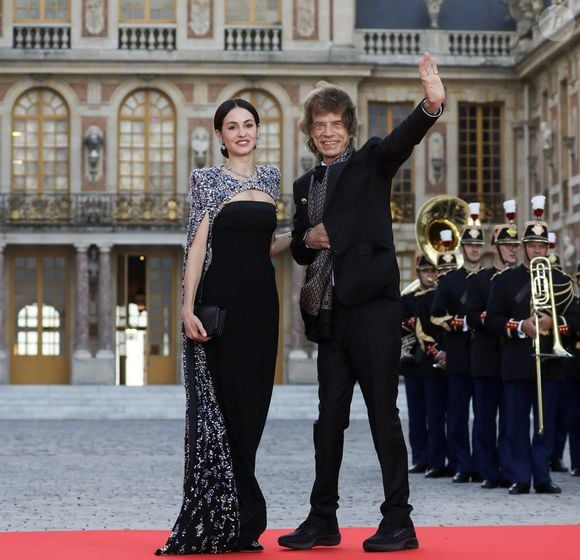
point(30, 323)
point(270, 137)
point(147, 143)
point(40, 142)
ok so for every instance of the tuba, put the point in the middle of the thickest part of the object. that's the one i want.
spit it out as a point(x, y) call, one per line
point(543, 299)
point(438, 213)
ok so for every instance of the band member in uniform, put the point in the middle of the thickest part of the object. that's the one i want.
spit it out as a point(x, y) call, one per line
point(572, 392)
point(411, 356)
point(561, 428)
point(485, 358)
point(513, 312)
point(448, 311)
point(432, 366)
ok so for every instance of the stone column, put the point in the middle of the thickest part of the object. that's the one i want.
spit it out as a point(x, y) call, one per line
point(82, 301)
point(105, 298)
point(3, 294)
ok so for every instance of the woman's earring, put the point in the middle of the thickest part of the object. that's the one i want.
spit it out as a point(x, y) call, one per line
point(223, 146)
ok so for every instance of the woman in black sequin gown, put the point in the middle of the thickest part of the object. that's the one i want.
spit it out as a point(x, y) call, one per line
point(229, 379)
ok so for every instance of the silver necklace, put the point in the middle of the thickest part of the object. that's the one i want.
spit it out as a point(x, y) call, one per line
point(246, 176)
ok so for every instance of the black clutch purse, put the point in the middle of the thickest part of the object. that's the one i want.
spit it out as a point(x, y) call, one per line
point(212, 318)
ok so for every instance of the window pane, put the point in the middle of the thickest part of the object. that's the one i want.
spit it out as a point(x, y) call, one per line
point(133, 9)
point(28, 9)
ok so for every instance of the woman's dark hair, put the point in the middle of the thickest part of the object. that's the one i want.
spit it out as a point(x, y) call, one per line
point(328, 98)
point(225, 108)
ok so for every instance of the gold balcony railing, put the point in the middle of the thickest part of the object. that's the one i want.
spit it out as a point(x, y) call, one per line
point(126, 210)
point(403, 206)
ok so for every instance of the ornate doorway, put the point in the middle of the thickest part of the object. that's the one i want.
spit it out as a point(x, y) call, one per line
point(146, 332)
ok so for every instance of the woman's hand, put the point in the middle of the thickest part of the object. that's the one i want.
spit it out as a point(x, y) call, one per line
point(193, 327)
point(432, 84)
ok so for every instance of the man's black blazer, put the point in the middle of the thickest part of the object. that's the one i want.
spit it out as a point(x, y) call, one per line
point(357, 216)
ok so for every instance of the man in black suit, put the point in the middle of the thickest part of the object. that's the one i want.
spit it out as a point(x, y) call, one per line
point(350, 300)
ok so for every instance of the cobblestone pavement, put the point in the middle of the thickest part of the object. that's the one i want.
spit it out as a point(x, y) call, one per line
point(127, 474)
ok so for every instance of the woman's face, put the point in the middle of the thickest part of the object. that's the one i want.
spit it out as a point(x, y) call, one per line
point(330, 136)
point(239, 132)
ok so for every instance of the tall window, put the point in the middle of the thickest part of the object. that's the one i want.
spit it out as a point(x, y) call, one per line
point(40, 142)
point(147, 11)
point(147, 143)
point(480, 165)
point(269, 143)
point(42, 10)
point(383, 117)
point(252, 12)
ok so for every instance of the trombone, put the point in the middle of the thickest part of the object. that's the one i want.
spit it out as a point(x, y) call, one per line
point(543, 300)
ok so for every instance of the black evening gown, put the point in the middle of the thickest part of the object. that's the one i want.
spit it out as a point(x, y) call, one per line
point(242, 361)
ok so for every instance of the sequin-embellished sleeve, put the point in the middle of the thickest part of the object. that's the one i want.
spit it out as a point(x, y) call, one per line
point(271, 181)
point(199, 204)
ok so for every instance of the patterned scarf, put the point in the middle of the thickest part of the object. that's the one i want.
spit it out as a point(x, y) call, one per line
point(316, 294)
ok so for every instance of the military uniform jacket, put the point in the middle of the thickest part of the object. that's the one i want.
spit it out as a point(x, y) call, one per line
point(485, 346)
point(410, 366)
point(428, 333)
point(449, 302)
point(572, 366)
point(510, 300)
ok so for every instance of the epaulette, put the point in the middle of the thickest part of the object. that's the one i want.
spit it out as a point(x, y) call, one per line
point(423, 292)
point(499, 272)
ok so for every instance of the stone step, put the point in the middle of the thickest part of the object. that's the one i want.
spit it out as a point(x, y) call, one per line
point(151, 402)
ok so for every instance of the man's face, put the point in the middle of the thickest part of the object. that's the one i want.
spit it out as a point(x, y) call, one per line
point(427, 277)
point(329, 135)
point(472, 252)
point(534, 249)
point(508, 253)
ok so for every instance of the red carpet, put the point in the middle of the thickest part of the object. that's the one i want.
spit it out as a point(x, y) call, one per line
point(436, 543)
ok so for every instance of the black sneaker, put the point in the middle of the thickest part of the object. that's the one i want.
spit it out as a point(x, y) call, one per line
point(308, 535)
point(391, 539)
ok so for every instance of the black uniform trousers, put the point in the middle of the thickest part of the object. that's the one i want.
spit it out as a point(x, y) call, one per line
point(561, 427)
point(529, 460)
point(365, 346)
point(460, 391)
point(572, 403)
point(436, 409)
point(489, 429)
point(415, 392)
